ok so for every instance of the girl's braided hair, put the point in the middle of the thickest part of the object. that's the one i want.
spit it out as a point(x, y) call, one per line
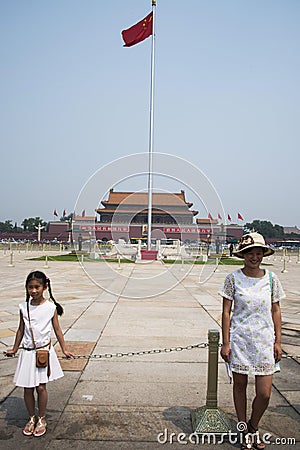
point(37, 275)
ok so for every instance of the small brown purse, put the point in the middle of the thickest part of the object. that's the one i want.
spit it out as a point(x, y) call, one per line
point(42, 355)
point(42, 358)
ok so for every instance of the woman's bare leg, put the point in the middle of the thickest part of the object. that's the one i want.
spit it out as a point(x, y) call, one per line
point(263, 386)
point(240, 382)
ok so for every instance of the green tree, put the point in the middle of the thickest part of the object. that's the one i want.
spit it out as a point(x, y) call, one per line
point(266, 228)
point(67, 218)
point(32, 223)
point(6, 226)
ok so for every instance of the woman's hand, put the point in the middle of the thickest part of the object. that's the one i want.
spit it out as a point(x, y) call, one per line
point(277, 351)
point(225, 352)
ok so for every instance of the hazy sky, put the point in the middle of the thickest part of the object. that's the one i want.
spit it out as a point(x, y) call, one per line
point(227, 100)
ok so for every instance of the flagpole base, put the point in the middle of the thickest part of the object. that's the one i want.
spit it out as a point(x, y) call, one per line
point(149, 255)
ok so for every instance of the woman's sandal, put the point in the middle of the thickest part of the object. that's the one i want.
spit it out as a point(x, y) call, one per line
point(41, 427)
point(29, 427)
point(247, 442)
point(256, 444)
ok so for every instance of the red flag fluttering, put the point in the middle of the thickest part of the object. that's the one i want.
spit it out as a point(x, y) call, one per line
point(138, 32)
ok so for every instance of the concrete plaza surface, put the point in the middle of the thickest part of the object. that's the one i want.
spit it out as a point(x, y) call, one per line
point(124, 402)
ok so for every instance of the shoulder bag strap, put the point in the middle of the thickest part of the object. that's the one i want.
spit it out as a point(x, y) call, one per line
point(30, 327)
point(271, 285)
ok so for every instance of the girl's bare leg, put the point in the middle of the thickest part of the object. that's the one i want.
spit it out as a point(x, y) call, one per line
point(42, 399)
point(29, 400)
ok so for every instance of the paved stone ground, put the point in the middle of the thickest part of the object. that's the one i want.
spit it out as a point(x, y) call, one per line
point(126, 402)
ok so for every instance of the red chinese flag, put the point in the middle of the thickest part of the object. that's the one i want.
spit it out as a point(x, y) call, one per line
point(219, 216)
point(55, 213)
point(64, 213)
point(138, 32)
point(210, 216)
point(229, 218)
point(240, 217)
point(83, 213)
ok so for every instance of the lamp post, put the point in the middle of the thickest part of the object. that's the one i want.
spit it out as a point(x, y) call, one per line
point(70, 230)
point(208, 244)
point(39, 229)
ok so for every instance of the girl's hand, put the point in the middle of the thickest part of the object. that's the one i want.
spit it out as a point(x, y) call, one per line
point(277, 352)
point(225, 352)
point(68, 354)
point(10, 352)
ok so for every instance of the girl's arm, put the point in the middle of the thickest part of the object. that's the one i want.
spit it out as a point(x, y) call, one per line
point(59, 335)
point(18, 338)
point(225, 350)
point(276, 316)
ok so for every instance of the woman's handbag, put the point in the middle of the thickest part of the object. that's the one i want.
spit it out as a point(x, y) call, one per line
point(42, 355)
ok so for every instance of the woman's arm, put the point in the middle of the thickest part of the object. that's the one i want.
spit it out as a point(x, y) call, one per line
point(225, 350)
point(18, 338)
point(276, 316)
point(59, 335)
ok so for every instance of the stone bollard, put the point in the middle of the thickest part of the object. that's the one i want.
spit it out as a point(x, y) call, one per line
point(284, 270)
point(210, 418)
point(182, 263)
point(119, 263)
point(217, 265)
point(298, 258)
point(46, 262)
point(11, 262)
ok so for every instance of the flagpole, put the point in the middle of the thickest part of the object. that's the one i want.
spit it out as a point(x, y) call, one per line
point(150, 158)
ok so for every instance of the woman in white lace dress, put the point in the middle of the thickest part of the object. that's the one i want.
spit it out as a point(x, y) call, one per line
point(251, 331)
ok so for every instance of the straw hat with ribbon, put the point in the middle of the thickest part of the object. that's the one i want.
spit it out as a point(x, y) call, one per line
point(251, 240)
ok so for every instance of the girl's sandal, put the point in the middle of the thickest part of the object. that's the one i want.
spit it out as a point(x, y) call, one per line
point(256, 444)
point(41, 427)
point(29, 427)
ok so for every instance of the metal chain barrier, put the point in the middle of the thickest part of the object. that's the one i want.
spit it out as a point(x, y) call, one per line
point(146, 352)
point(139, 353)
point(120, 354)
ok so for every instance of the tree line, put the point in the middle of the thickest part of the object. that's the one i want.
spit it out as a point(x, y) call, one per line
point(30, 224)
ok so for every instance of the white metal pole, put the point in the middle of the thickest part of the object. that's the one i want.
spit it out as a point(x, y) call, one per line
point(150, 161)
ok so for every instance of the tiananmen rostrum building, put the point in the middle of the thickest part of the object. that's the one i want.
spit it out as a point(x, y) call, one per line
point(124, 215)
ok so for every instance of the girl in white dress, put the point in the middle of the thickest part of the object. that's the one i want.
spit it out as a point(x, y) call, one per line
point(251, 331)
point(43, 316)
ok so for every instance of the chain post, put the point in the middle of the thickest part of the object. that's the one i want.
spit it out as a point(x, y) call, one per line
point(210, 418)
point(212, 373)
